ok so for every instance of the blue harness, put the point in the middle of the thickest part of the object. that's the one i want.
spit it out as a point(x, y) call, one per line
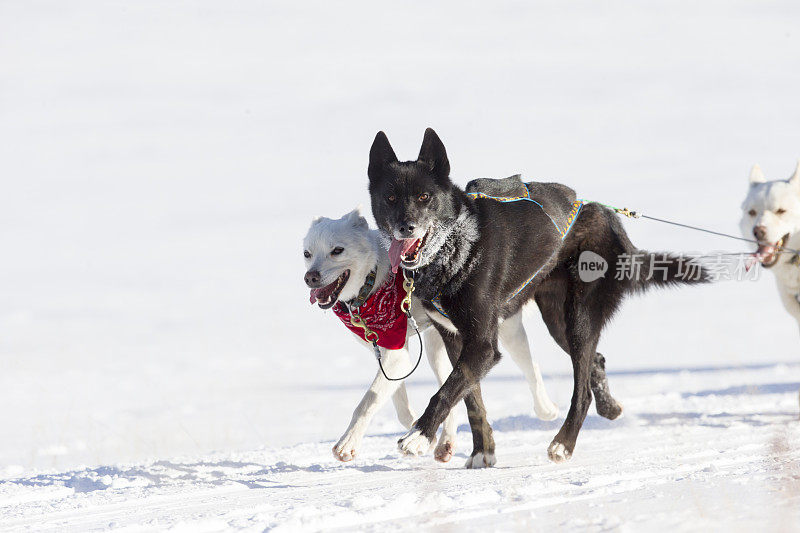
point(563, 231)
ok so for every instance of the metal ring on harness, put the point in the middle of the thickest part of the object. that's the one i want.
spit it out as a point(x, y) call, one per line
point(408, 286)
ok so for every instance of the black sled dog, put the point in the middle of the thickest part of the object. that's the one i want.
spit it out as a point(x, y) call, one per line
point(477, 260)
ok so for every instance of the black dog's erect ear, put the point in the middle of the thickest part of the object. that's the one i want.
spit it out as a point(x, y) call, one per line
point(380, 155)
point(434, 155)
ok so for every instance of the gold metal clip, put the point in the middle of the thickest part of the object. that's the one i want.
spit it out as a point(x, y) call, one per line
point(357, 321)
point(628, 213)
point(408, 286)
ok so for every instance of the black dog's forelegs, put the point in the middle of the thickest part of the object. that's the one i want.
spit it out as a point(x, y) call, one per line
point(482, 439)
point(605, 404)
point(476, 358)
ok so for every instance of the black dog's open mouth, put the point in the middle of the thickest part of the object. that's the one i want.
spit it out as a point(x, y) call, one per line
point(768, 253)
point(406, 252)
point(328, 295)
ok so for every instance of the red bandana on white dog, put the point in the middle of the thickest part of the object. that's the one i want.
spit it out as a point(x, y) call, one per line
point(381, 313)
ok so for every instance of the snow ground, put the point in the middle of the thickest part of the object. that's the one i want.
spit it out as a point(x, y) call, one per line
point(160, 163)
point(684, 458)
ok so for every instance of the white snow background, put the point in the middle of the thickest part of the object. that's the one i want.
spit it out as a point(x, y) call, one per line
point(160, 162)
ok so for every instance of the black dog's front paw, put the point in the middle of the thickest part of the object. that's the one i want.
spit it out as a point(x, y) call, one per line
point(414, 442)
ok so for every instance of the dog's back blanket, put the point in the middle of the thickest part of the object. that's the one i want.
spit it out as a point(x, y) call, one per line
point(556, 200)
point(381, 313)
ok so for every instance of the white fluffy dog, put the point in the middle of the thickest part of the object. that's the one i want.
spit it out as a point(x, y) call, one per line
point(340, 255)
point(771, 215)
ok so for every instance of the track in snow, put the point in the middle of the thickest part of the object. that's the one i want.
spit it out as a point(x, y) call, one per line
point(710, 447)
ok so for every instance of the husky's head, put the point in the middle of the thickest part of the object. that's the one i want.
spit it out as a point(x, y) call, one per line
point(339, 255)
point(771, 214)
point(411, 201)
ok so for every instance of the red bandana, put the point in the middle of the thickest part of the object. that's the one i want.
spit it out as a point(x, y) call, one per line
point(381, 312)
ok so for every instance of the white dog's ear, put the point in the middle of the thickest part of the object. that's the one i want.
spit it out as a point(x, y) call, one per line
point(756, 175)
point(355, 218)
point(795, 179)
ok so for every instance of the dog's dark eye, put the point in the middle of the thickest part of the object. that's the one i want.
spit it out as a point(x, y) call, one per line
point(306, 254)
point(337, 250)
point(752, 212)
point(780, 211)
point(424, 197)
point(391, 199)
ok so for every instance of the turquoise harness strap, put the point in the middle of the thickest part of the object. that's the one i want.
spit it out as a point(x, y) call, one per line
point(577, 205)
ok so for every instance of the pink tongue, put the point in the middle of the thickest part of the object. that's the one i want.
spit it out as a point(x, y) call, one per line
point(398, 249)
point(313, 297)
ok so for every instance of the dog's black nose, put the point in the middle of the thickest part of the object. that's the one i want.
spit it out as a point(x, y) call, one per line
point(312, 278)
point(406, 229)
point(760, 233)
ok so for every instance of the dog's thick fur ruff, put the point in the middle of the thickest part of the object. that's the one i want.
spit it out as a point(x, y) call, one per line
point(476, 253)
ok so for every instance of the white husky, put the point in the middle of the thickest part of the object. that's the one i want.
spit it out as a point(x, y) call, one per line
point(339, 256)
point(771, 215)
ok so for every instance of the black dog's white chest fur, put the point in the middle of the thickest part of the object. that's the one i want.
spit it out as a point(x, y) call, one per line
point(452, 243)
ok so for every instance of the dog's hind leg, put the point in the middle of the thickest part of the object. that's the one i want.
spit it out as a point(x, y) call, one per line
point(606, 405)
point(553, 316)
point(582, 333)
point(405, 414)
point(483, 447)
point(587, 306)
point(395, 362)
point(440, 363)
point(513, 337)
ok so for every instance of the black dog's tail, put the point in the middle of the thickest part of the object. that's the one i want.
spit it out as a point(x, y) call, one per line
point(599, 229)
point(646, 270)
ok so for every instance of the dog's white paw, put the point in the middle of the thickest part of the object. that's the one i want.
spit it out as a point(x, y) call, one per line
point(558, 453)
point(545, 410)
point(481, 460)
point(414, 443)
point(345, 450)
point(444, 450)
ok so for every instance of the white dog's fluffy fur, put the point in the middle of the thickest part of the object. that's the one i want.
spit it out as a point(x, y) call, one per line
point(361, 252)
point(771, 214)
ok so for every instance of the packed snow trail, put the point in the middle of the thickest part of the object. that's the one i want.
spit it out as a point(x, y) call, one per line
point(707, 448)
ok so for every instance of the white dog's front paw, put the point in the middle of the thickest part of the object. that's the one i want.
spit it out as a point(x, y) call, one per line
point(481, 460)
point(558, 453)
point(414, 443)
point(546, 410)
point(347, 447)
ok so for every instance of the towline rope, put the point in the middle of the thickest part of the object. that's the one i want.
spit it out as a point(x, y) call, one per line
point(636, 214)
